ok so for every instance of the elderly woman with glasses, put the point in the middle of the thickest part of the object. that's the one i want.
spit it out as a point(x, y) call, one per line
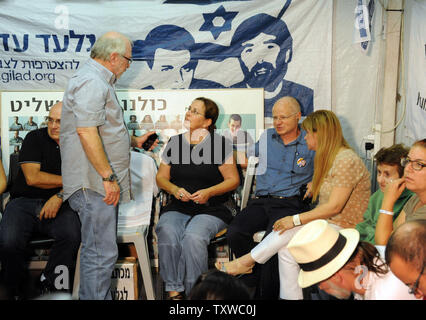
point(199, 171)
point(414, 179)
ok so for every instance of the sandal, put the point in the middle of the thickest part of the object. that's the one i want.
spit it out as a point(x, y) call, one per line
point(240, 269)
point(179, 296)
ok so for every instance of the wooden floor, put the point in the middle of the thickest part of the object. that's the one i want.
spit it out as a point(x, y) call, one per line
point(160, 294)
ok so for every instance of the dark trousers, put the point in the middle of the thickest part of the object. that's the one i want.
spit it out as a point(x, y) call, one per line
point(261, 214)
point(20, 222)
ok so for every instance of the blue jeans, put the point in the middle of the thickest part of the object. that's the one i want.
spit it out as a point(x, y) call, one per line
point(182, 247)
point(20, 222)
point(99, 250)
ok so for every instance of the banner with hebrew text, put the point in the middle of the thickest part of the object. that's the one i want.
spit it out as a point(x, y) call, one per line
point(282, 46)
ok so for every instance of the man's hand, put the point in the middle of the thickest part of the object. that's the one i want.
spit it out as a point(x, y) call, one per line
point(112, 192)
point(51, 208)
point(139, 141)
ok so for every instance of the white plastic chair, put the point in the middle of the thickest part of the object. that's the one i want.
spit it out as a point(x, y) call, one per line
point(248, 180)
point(134, 218)
point(247, 186)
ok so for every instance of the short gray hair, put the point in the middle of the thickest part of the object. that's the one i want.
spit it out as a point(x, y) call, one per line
point(107, 44)
point(289, 101)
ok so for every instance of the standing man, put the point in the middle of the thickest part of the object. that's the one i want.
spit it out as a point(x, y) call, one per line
point(95, 148)
point(285, 164)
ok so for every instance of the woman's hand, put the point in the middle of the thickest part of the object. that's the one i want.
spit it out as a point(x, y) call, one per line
point(200, 196)
point(308, 193)
point(283, 224)
point(393, 191)
point(181, 194)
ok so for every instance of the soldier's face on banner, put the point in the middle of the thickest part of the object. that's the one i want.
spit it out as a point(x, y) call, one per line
point(234, 126)
point(171, 70)
point(260, 56)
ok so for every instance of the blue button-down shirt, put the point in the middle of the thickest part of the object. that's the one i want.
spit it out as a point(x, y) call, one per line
point(90, 101)
point(282, 168)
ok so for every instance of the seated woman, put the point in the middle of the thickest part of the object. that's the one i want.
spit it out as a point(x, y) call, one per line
point(389, 168)
point(199, 170)
point(414, 179)
point(342, 184)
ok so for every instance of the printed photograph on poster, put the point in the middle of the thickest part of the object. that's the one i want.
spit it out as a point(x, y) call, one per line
point(240, 118)
point(163, 111)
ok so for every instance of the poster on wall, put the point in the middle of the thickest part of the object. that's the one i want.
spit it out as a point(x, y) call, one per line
point(415, 121)
point(240, 114)
point(177, 44)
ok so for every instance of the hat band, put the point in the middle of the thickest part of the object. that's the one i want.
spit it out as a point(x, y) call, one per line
point(327, 257)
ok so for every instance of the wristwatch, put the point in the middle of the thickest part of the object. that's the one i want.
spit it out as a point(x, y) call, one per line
point(111, 178)
point(60, 195)
point(296, 220)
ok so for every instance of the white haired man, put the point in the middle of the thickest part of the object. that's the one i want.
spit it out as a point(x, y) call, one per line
point(95, 148)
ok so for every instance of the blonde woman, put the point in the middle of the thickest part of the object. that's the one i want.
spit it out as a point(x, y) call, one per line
point(341, 183)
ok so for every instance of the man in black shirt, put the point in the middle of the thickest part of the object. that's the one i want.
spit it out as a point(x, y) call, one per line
point(36, 208)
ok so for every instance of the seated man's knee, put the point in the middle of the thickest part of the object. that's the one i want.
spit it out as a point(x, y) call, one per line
point(11, 243)
point(193, 241)
point(235, 232)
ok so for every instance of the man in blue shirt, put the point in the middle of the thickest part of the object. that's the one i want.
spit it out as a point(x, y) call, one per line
point(285, 165)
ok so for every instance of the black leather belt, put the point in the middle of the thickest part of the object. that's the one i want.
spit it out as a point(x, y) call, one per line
point(270, 196)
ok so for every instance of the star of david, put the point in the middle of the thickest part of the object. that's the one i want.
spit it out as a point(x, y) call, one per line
point(218, 21)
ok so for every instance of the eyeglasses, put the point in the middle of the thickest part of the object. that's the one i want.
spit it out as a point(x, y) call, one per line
point(413, 288)
point(193, 111)
point(415, 164)
point(282, 118)
point(52, 121)
point(130, 60)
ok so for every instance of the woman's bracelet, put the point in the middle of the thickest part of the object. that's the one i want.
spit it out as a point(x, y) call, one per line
point(390, 213)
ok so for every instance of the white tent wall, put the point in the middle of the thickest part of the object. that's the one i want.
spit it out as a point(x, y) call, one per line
point(404, 131)
point(357, 78)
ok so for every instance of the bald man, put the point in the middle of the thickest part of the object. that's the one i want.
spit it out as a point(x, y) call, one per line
point(37, 208)
point(95, 148)
point(406, 256)
point(285, 164)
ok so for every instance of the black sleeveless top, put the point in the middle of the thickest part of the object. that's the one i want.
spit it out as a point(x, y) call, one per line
point(196, 167)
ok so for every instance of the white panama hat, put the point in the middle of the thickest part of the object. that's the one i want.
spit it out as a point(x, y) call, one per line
point(321, 250)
